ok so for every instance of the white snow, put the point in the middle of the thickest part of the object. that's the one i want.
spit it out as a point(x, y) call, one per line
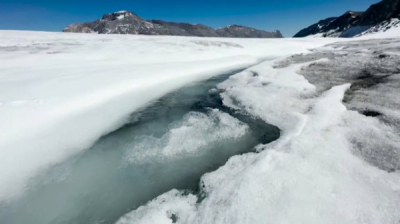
point(318, 35)
point(60, 92)
point(309, 175)
point(386, 29)
point(121, 17)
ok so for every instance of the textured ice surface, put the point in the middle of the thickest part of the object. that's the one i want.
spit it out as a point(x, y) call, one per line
point(61, 92)
point(318, 171)
point(338, 109)
point(196, 131)
point(373, 68)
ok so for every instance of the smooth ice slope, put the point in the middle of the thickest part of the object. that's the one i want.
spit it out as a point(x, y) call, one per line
point(60, 92)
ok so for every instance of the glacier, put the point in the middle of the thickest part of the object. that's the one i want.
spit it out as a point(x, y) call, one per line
point(53, 86)
point(317, 171)
point(63, 94)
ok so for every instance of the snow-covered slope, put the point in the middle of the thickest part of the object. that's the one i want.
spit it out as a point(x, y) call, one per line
point(60, 92)
point(385, 29)
point(390, 28)
point(351, 24)
point(331, 27)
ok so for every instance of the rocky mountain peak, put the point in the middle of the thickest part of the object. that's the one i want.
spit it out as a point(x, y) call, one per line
point(278, 32)
point(126, 22)
point(119, 15)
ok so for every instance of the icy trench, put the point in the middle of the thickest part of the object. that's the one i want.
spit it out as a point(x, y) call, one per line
point(167, 145)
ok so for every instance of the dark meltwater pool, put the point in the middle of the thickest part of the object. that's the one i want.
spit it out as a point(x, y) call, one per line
point(167, 145)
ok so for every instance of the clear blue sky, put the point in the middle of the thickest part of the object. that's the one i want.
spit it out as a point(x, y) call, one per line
point(289, 16)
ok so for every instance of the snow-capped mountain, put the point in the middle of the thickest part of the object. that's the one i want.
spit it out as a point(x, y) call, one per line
point(125, 22)
point(377, 17)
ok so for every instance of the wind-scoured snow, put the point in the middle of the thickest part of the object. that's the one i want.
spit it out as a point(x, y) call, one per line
point(61, 92)
point(317, 172)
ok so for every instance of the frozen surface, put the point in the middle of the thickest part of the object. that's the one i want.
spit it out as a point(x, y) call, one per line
point(373, 68)
point(337, 160)
point(167, 145)
point(60, 92)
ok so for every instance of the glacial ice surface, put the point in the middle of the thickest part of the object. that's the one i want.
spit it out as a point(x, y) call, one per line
point(318, 171)
point(60, 92)
point(337, 107)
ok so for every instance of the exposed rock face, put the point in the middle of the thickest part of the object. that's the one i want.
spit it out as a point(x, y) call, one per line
point(125, 22)
point(352, 23)
point(78, 28)
point(186, 29)
point(382, 11)
point(246, 32)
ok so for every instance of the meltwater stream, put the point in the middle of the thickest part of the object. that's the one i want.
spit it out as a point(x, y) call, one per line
point(167, 145)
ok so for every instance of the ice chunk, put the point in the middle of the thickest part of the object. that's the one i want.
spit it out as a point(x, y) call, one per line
point(196, 131)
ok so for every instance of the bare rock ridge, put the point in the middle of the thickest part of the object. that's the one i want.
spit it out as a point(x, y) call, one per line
point(378, 17)
point(126, 22)
point(246, 32)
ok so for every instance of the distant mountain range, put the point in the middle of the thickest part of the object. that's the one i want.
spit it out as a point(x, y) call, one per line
point(378, 18)
point(126, 22)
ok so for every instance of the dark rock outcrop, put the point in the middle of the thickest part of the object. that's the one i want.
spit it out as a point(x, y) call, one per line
point(382, 11)
point(246, 32)
point(125, 22)
point(186, 29)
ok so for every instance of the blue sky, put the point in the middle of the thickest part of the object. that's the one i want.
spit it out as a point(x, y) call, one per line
point(289, 16)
